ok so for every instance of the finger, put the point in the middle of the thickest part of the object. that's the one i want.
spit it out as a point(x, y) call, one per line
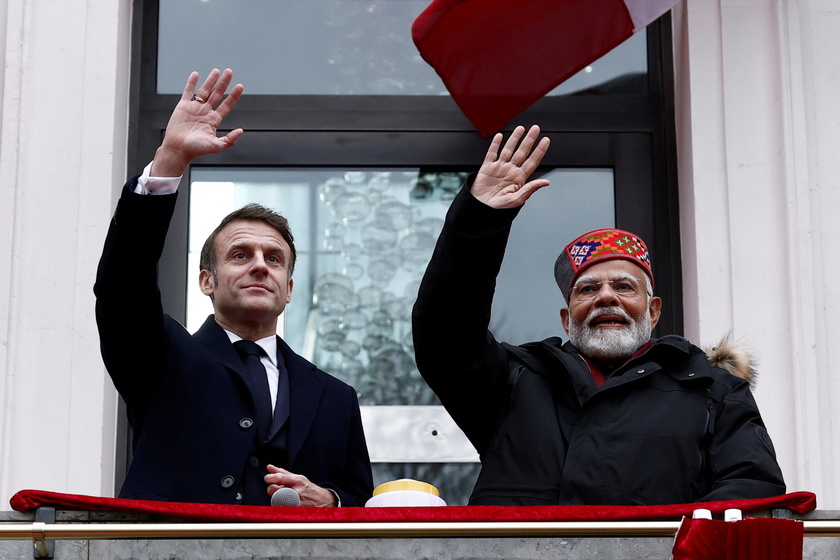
point(226, 106)
point(524, 193)
point(525, 146)
point(207, 87)
point(276, 474)
point(533, 161)
point(189, 88)
point(222, 143)
point(531, 187)
point(279, 479)
point(220, 87)
point(231, 137)
point(493, 150)
point(275, 487)
point(510, 146)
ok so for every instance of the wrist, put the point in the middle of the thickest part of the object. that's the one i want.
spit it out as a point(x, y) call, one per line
point(168, 163)
point(330, 498)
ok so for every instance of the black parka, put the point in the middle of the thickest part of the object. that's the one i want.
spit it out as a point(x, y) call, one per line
point(666, 427)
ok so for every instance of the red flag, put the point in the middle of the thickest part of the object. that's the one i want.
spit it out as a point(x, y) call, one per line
point(754, 538)
point(497, 57)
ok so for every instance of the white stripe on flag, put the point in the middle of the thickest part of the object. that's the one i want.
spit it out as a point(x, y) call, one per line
point(643, 12)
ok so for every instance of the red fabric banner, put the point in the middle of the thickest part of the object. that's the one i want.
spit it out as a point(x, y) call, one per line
point(757, 538)
point(497, 57)
point(28, 500)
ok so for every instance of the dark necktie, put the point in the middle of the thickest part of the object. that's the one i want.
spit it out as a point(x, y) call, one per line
point(250, 353)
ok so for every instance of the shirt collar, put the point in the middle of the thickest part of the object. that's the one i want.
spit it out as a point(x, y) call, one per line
point(268, 344)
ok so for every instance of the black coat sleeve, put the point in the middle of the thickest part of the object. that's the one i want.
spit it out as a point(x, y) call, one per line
point(742, 460)
point(456, 353)
point(354, 485)
point(129, 313)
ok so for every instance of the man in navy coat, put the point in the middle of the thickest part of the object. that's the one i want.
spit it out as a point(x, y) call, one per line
point(194, 402)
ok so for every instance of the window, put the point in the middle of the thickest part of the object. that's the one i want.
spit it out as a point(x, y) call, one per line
point(330, 47)
point(362, 153)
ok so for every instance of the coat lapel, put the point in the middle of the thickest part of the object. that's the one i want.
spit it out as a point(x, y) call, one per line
point(216, 342)
point(305, 384)
point(282, 402)
point(305, 388)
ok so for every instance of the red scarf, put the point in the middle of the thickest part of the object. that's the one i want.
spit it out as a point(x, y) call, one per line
point(595, 369)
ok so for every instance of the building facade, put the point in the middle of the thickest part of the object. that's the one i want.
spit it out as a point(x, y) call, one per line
point(757, 131)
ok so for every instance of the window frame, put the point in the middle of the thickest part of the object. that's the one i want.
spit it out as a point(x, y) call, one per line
point(632, 134)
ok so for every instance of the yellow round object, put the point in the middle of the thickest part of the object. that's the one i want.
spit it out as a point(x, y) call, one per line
point(406, 484)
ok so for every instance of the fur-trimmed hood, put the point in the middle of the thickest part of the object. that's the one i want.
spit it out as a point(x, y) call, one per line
point(734, 358)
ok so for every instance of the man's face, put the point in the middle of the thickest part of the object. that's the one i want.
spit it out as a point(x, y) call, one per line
point(610, 315)
point(252, 285)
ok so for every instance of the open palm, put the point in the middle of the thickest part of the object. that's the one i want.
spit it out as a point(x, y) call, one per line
point(193, 125)
point(501, 181)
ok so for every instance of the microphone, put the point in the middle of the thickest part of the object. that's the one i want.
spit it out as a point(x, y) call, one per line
point(285, 497)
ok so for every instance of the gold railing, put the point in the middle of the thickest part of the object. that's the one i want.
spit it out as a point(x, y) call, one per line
point(39, 533)
point(140, 531)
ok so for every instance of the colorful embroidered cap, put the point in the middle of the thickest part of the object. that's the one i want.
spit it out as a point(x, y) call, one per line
point(597, 246)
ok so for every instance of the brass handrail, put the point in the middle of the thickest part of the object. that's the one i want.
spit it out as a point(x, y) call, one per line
point(39, 531)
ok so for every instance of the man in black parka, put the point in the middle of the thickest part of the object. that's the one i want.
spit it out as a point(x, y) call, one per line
point(610, 417)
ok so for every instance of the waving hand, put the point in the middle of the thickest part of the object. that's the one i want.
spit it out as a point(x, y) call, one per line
point(501, 181)
point(191, 131)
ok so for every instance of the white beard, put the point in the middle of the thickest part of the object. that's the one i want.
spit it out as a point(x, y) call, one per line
point(614, 344)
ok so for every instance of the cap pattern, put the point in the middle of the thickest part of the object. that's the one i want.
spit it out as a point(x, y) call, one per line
point(596, 246)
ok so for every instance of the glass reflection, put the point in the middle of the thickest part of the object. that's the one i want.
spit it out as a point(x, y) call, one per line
point(335, 47)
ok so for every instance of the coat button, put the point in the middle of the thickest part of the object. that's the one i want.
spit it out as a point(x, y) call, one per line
point(254, 462)
point(228, 481)
point(640, 371)
point(246, 423)
point(691, 374)
point(239, 496)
